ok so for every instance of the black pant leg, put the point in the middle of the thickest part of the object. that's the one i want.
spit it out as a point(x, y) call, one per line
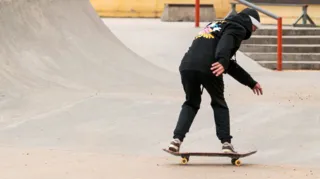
point(215, 87)
point(190, 107)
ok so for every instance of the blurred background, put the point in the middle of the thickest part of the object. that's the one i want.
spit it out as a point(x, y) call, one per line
point(154, 8)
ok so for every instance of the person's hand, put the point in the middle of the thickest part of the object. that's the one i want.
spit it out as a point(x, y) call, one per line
point(217, 68)
point(257, 89)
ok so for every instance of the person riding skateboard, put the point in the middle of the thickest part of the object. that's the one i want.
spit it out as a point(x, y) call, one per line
point(208, 57)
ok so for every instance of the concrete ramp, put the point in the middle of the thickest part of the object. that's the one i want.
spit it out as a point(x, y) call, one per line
point(63, 43)
point(53, 48)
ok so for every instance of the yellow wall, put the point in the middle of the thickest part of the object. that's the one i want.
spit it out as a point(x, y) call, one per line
point(291, 14)
point(147, 8)
point(154, 8)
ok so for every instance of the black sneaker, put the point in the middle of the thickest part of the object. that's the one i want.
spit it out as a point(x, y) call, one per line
point(175, 145)
point(228, 148)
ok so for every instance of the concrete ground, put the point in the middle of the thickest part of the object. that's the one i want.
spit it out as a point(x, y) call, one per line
point(80, 100)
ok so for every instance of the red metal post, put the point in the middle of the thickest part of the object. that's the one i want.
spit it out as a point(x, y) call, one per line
point(197, 13)
point(279, 67)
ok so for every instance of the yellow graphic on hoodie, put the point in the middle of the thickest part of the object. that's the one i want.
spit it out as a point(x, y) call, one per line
point(207, 31)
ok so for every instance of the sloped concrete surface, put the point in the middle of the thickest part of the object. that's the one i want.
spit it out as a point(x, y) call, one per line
point(80, 100)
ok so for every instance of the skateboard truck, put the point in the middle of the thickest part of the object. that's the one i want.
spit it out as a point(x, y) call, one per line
point(185, 159)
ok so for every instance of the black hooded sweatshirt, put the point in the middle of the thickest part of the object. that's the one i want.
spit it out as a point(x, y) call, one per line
point(219, 42)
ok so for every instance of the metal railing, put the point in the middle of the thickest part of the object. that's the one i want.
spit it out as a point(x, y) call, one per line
point(279, 33)
point(244, 2)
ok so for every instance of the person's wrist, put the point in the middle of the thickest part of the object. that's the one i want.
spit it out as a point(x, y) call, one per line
point(224, 63)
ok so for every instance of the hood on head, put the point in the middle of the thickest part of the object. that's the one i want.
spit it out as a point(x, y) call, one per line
point(254, 16)
point(246, 18)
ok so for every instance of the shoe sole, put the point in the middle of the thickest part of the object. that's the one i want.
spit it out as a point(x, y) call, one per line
point(228, 151)
point(173, 148)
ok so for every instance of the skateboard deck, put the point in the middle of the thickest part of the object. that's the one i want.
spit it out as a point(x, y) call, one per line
point(234, 156)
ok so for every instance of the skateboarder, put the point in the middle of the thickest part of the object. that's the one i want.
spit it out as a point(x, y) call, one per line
point(204, 64)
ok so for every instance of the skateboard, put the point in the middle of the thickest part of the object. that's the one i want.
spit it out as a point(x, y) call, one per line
point(185, 156)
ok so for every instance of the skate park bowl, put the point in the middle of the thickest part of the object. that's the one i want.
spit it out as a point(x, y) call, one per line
point(85, 97)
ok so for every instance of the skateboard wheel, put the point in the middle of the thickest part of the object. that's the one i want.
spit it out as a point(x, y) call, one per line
point(184, 160)
point(236, 162)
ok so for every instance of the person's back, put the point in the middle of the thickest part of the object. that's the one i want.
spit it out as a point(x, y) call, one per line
point(201, 52)
point(207, 48)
